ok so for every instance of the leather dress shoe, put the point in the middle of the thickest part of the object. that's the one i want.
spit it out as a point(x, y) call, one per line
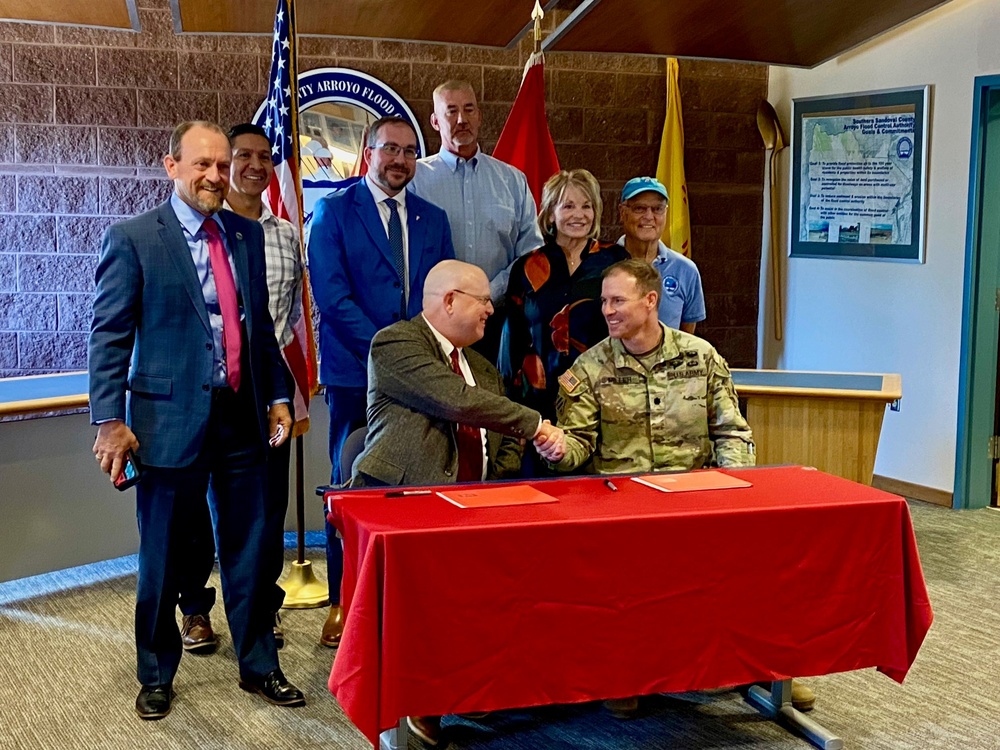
point(197, 636)
point(153, 701)
point(333, 628)
point(623, 708)
point(427, 728)
point(279, 634)
point(803, 698)
point(275, 689)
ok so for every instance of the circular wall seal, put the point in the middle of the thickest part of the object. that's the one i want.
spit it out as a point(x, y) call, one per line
point(344, 86)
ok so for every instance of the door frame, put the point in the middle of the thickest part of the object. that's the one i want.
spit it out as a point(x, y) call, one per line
point(974, 469)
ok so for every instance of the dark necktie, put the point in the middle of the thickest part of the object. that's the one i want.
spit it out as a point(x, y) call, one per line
point(225, 289)
point(396, 245)
point(469, 439)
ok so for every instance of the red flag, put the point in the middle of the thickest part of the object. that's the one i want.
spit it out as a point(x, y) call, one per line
point(284, 195)
point(526, 142)
point(360, 165)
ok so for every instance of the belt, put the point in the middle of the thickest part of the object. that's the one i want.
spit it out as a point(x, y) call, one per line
point(222, 392)
point(214, 309)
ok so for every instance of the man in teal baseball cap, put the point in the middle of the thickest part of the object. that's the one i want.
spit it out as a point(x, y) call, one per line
point(643, 214)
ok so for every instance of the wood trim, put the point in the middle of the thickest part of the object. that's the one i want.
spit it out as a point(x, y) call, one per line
point(914, 491)
point(110, 14)
point(884, 396)
point(35, 406)
point(795, 33)
point(490, 23)
point(59, 401)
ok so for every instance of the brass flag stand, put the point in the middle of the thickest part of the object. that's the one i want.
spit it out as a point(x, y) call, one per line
point(302, 589)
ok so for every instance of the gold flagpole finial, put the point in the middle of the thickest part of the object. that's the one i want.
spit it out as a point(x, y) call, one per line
point(536, 16)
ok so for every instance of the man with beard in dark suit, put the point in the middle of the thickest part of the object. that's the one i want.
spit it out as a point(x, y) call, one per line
point(185, 371)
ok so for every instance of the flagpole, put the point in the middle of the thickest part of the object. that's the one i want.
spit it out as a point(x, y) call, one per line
point(293, 43)
point(302, 589)
point(536, 15)
point(525, 141)
point(293, 74)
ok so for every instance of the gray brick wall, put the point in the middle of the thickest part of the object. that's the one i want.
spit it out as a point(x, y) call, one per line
point(86, 115)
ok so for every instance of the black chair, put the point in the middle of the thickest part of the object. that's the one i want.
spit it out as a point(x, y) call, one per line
point(352, 449)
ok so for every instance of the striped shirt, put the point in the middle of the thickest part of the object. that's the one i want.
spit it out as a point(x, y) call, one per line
point(283, 262)
point(489, 207)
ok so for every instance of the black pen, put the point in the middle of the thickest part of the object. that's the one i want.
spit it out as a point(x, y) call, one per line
point(407, 493)
point(610, 485)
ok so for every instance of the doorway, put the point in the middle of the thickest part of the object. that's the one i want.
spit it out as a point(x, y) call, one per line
point(978, 398)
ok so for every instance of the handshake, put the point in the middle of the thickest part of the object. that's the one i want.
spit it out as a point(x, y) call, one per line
point(550, 442)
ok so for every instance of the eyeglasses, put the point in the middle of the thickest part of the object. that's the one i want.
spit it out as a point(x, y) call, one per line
point(639, 210)
point(393, 150)
point(483, 300)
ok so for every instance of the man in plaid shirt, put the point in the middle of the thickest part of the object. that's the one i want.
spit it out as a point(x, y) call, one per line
point(250, 174)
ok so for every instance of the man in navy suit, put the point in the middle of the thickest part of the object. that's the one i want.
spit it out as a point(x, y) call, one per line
point(370, 249)
point(185, 371)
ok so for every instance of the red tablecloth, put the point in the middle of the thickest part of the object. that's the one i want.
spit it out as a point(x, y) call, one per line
point(607, 594)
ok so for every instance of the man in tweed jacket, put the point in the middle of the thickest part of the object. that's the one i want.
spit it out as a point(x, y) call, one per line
point(416, 399)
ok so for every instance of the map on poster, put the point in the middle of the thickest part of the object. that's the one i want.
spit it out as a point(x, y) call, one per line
point(857, 177)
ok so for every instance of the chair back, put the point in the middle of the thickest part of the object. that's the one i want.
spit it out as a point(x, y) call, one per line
point(353, 446)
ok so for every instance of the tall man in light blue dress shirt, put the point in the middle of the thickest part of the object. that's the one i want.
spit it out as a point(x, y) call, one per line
point(490, 208)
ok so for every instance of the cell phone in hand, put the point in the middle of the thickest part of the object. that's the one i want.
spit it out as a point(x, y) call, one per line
point(131, 472)
point(276, 438)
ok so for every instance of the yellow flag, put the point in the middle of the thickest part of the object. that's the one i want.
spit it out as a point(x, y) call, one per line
point(670, 169)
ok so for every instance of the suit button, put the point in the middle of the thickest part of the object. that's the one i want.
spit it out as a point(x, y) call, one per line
point(396, 284)
point(208, 347)
point(395, 316)
point(206, 387)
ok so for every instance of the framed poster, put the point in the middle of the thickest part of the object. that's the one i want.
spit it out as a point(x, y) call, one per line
point(859, 175)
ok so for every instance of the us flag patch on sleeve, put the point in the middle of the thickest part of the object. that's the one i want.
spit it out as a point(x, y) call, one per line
point(569, 381)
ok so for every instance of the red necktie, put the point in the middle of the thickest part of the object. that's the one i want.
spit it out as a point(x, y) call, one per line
point(225, 288)
point(470, 441)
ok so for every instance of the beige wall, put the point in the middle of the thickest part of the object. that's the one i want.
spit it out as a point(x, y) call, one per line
point(891, 317)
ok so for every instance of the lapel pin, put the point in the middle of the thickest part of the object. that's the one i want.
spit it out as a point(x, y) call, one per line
point(418, 218)
point(239, 235)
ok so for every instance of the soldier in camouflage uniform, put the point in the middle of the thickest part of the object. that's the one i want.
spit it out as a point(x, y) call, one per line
point(649, 398)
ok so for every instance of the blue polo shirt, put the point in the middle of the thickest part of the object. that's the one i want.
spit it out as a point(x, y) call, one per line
point(681, 297)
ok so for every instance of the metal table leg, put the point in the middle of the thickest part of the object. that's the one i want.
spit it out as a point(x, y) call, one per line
point(777, 704)
point(394, 739)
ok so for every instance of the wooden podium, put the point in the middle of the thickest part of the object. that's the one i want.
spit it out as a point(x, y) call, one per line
point(824, 419)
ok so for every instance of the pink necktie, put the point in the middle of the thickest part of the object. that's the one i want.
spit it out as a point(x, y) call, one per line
point(225, 288)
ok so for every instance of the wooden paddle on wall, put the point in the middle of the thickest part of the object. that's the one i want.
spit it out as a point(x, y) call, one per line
point(774, 141)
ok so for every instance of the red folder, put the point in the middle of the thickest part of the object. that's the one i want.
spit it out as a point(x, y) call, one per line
point(508, 494)
point(691, 481)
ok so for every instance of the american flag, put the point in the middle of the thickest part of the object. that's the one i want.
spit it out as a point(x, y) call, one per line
point(284, 195)
point(280, 115)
